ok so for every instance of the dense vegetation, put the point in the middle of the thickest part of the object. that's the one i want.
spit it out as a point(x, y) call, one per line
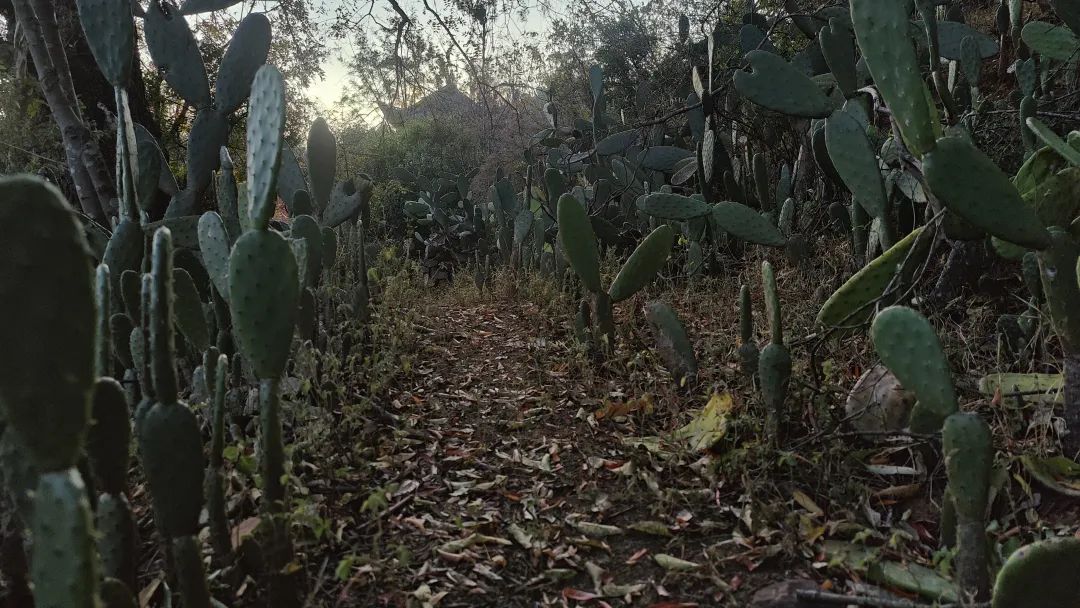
point(463, 360)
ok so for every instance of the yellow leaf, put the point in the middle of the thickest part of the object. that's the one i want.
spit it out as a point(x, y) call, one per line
point(709, 425)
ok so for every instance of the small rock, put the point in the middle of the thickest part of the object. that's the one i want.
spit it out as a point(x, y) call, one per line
point(878, 402)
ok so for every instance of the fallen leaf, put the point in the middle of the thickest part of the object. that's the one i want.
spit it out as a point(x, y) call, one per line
point(674, 564)
point(709, 425)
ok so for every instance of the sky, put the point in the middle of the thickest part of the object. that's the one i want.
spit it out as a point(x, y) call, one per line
point(327, 91)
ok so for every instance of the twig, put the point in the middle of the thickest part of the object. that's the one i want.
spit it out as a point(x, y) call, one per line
point(825, 597)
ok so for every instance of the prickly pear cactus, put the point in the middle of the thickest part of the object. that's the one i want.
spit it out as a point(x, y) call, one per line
point(64, 567)
point(909, 347)
point(1040, 575)
point(266, 126)
point(579, 242)
point(47, 291)
point(969, 458)
point(170, 443)
point(671, 340)
point(744, 223)
point(646, 260)
point(264, 292)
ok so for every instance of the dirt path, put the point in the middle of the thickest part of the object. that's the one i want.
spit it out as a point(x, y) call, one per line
point(501, 490)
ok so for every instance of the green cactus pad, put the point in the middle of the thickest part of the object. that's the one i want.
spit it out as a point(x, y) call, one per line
point(343, 206)
point(193, 7)
point(774, 371)
point(185, 231)
point(228, 198)
point(970, 184)
point(663, 158)
point(265, 131)
point(321, 162)
point(1054, 141)
point(109, 437)
point(884, 35)
point(124, 251)
point(305, 227)
point(838, 47)
point(616, 143)
point(1052, 41)
point(969, 458)
point(646, 260)
point(523, 223)
point(194, 590)
point(120, 329)
point(329, 246)
point(290, 180)
point(671, 340)
point(854, 159)
point(162, 339)
point(117, 537)
point(744, 223)
point(214, 247)
point(188, 308)
point(1048, 566)
point(47, 296)
point(170, 448)
point(247, 51)
point(579, 242)
point(772, 303)
point(64, 566)
point(173, 48)
point(264, 295)
point(103, 331)
point(1058, 265)
point(668, 206)
point(150, 164)
point(867, 285)
point(209, 132)
point(110, 33)
point(779, 86)
point(117, 594)
point(909, 347)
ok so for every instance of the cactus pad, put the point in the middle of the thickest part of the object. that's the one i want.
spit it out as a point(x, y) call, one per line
point(322, 162)
point(264, 295)
point(47, 296)
point(173, 48)
point(265, 130)
point(779, 86)
point(854, 159)
point(668, 206)
point(884, 35)
point(170, 447)
point(646, 260)
point(247, 51)
point(969, 183)
point(110, 33)
point(671, 340)
point(109, 437)
point(744, 223)
point(64, 566)
point(1048, 566)
point(867, 285)
point(579, 242)
point(188, 307)
point(214, 246)
point(909, 347)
